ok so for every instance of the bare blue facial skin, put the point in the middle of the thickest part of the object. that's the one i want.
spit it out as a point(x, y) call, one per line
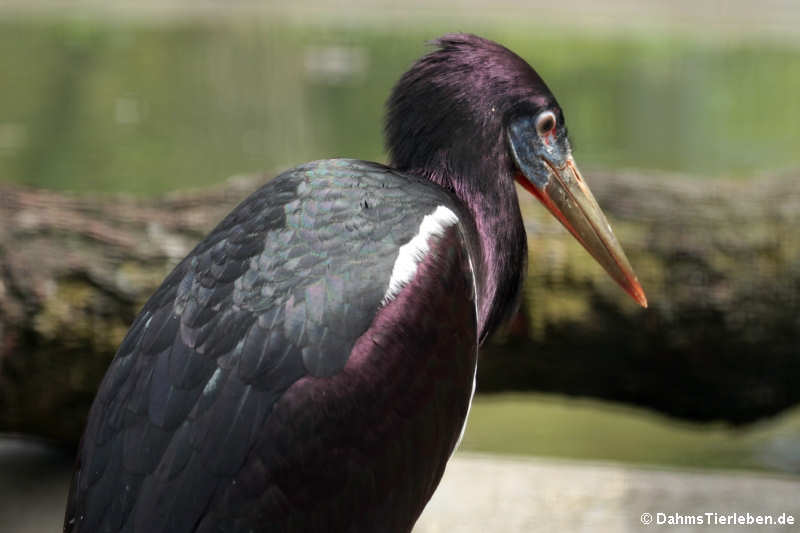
point(531, 149)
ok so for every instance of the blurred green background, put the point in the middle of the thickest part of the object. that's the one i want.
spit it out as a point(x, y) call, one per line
point(147, 105)
point(152, 99)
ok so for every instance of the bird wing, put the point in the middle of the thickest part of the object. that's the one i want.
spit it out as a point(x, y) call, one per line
point(281, 289)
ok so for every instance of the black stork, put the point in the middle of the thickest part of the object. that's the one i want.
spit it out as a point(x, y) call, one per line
point(309, 366)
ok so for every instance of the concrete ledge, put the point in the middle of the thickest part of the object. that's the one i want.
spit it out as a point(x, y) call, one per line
point(480, 493)
point(488, 493)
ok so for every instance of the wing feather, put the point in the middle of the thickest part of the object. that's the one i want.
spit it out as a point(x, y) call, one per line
point(281, 289)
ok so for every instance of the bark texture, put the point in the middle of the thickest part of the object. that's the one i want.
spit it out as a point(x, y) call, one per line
point(719, 260)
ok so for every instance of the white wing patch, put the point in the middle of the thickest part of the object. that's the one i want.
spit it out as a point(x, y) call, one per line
point(413, 252)
point(475, 370)
point(469, 408)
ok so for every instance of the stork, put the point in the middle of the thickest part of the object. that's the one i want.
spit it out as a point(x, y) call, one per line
point(310, 365)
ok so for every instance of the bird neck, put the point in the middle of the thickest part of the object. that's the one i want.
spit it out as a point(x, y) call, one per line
point(488, 192)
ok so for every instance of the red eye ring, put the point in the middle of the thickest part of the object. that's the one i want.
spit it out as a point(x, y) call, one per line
point(545, 122)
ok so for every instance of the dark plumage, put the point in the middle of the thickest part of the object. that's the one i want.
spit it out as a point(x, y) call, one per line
point(310, 364)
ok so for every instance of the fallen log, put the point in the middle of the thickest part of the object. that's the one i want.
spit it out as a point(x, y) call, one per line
point(719, 260)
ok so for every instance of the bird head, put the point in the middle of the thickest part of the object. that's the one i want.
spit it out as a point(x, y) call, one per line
point(474, 116)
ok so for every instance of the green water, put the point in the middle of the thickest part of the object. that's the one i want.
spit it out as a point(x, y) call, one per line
point(147, 107)
point(556, 426)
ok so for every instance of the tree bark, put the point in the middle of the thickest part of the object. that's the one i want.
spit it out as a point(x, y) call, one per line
point(719, 260)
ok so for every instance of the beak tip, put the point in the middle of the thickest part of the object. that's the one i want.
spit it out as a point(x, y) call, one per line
point(637, 293)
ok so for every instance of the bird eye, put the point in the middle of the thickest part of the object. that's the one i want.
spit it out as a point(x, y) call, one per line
point(546, 122)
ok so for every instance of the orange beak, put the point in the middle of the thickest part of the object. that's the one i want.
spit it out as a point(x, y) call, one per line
point(569, 199)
